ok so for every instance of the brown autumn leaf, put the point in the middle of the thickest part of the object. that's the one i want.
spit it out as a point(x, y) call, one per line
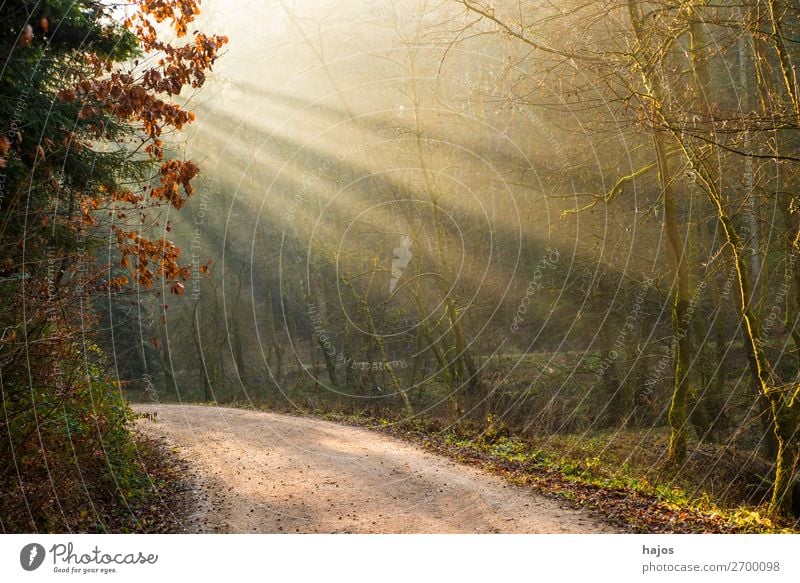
point(26, 37)
point(66, 95)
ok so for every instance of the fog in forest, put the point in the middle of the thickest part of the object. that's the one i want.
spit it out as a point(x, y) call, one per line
point(396, 182)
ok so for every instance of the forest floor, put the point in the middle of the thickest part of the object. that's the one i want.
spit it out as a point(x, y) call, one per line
point(270, 473)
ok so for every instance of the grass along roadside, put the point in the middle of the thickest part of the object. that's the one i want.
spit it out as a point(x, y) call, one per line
point(622, 496)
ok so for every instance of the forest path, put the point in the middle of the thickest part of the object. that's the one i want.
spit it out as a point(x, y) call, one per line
point(271, 473)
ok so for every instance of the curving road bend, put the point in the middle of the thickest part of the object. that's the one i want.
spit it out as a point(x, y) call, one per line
point(270, 473)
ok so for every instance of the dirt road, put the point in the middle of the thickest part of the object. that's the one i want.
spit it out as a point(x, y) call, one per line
point(270, 473)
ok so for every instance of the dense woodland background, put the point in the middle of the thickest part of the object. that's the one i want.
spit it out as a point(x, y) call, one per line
point(574, 224)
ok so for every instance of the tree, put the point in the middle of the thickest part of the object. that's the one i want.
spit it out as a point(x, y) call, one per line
point(85, 169)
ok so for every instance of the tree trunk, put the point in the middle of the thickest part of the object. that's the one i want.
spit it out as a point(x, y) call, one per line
point(786, 426)
point(207, 393)
point(681, 315)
